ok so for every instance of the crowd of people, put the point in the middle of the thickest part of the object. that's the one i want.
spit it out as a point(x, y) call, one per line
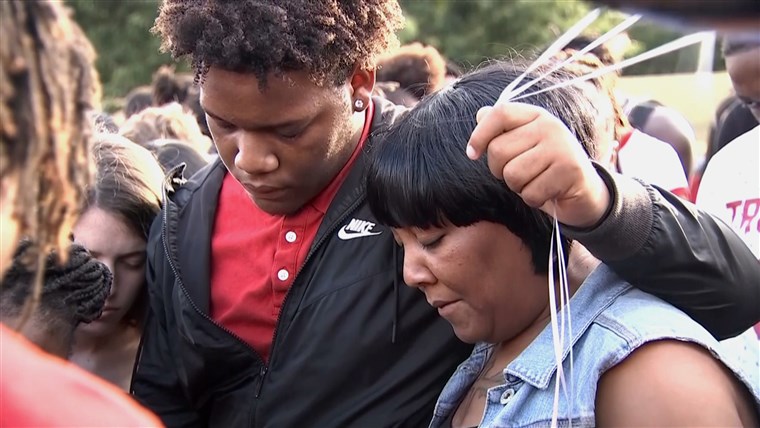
point(319, 227)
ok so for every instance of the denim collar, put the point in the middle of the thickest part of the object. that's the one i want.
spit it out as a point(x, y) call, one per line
point(536, 365)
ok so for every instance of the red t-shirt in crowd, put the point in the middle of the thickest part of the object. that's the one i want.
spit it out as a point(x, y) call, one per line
point(40, 390)
point(255, 256)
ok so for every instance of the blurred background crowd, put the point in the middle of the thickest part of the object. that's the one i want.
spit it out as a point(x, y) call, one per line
point(682, 98)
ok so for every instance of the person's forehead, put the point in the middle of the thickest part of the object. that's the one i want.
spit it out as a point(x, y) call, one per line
point(745, 65)
point(102, 231)
point(269, 86)
point(230, 95)
point(747, 56)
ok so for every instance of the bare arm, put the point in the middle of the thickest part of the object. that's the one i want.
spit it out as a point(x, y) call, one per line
point(672, 383)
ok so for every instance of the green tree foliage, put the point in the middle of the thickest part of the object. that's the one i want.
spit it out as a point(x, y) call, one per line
point(128, 53)
point(648, 34)
point(469, 31)
point(466, 31)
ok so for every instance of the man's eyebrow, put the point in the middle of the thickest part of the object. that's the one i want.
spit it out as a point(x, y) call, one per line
point(283, 124)
point(212, 114)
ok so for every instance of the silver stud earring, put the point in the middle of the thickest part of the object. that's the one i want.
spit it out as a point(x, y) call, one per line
point(358, 105)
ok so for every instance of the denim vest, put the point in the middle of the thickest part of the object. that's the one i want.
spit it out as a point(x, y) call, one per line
point(610, 319)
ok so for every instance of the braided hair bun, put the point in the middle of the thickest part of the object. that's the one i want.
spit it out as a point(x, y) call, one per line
point(74, 291)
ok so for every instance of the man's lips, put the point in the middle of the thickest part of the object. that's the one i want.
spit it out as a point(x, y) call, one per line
point(262, 190)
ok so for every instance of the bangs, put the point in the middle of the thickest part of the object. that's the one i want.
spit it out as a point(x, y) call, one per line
point(420, 176)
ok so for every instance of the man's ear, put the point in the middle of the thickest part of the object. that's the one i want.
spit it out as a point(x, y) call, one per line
point(362, 82)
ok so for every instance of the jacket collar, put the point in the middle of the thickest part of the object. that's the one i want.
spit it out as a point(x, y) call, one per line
point(190, 210)
point(536, 365)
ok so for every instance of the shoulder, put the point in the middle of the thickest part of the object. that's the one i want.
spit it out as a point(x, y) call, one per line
point(733, 164)
point(182, 189)
point(742, 146)
point(639, 317)
point(653, 146)
point(670, 382)
point(669, 125)
point(27, 372)
point(386, 113)
point(201, 191)
point(652, 160)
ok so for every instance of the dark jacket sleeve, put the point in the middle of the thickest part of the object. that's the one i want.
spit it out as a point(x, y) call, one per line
point(667, 247)
point(156, 384)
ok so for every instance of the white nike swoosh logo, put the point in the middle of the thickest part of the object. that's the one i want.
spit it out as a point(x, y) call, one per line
point(345, 235)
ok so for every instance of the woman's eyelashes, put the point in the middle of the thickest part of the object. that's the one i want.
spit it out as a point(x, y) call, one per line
point(133, 261)
point(432, 242)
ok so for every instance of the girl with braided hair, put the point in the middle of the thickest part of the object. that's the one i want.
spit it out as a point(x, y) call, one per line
point(72, 293)
point(119, 209)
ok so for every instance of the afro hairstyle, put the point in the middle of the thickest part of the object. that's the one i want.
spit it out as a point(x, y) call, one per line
point(327, 39)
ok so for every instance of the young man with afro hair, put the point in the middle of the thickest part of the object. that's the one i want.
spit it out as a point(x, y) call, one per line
point(276, 298)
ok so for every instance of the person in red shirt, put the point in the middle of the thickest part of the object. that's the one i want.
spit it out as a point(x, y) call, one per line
point(47, 87)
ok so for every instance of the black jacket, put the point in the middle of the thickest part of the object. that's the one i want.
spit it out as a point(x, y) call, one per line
point(353, 345)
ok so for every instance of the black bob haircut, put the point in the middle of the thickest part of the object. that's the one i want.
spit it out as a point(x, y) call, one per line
point(420, 176)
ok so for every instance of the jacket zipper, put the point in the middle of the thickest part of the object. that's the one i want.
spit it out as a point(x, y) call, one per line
point(192, 303)
point(314, 249)
point(264, 368)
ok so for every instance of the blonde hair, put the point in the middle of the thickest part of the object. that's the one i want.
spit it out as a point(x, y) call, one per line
point(48, 86)
point(169, 121)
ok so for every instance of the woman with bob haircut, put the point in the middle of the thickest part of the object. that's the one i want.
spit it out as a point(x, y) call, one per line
point(479, 251)
point(120, 207)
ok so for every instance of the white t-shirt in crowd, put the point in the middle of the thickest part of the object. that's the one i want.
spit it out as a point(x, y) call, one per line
point(654, 161)
point(730, 187)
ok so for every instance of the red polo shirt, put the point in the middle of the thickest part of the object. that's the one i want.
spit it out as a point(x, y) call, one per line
point(255, 256)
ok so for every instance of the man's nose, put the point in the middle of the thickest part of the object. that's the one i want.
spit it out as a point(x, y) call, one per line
point(254, 155)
